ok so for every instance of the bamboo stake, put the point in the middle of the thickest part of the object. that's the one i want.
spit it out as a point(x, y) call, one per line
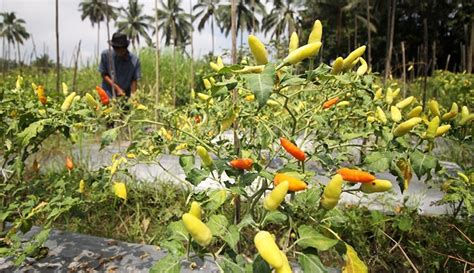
point(404, 72)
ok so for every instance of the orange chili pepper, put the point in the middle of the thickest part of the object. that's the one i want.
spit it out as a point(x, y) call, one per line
point(353, 175)
point(292, 149)
point(242, 163)
point(295, 184)
point(69, 163)
point(104, 98)
point(330, 102)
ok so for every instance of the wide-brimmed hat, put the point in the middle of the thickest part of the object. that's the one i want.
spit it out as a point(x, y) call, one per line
point(119, 40)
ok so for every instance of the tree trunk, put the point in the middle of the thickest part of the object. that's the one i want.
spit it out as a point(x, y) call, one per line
point(74, 78)
point(355, 33)
point(192, 47)
point(425, 58)
point(388, 60)
point(19, 54)
point(173, 80)
point(157, 64)
point(98, 42)
point(58, 66)
point(339, 30)
point(212, 33)
point(470, 54)
point(404, 71)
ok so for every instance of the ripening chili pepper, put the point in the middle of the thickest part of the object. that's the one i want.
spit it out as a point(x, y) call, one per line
point(363, 67)
point(378, 185)
point(404, 103)
point(41, 94)
point(195, 210)
point(294, 184)
point(273, 200)
point(104, 98)
point(203, 97)
point(355, 176)
point(242, 163)
point(204, 155)
point(337, 66)
point(292, 149)
point(294, 42)
point(250, 97)
point(353, 56)
point(69, 163)
point(268, 249)
point(434, 108)
point(415, 112)
point(330, 102)
point(197, 118)
point(90, 100)
point(343, 103)
point(300, 54)
point(395, 113)
point(466, 120)
point(406, 126)
point(198, 230)
point(67, 102)
point(432, 127)
point(251, 69)
point(316, 33)
point(332, 192)
point(452, 113)
point(258, 50)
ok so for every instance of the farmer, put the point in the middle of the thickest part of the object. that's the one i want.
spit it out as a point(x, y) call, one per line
point(125, 70)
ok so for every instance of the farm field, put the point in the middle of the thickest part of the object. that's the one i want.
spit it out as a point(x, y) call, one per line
point(287, 152)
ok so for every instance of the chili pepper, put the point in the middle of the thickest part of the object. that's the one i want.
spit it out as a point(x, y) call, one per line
point(250, 97)
point(292, 149)
point(406, 126)
point(82, 186)
point(251, 69)
point(258, 50)
point(466, 120)
point(395, 113)
point(442, 130)
point(355, 176)
point(378, 185)
point(90, 100)
point(41, 94)
point(196, 210)
point(242, 163)
point(415, 112)
point(432, 127)
point(363, 67)
point(343, 103)
point(337, 66)
point(203, 97)
point(276, 196)
point(197, 118)
point(198, 230)
point(294, 42)
point(120, 190)
point(214, 66)
point(294, 184)
point(286, 266)
point(67, 102)
point(330, 102)
point(300, 54)
point(104, 98)
point(204, 155)
point(389, 96)
point(434, 108)
point(353, 56)
point(207, 84)
point(273, 103)
point(332, 192)
point(381, 115)
point(220, 63)
point(316, 33)
point(452, 113)
point(404, 103)
point(69, 163)
point(268, 249)
point(378, 94)
point(65, 89)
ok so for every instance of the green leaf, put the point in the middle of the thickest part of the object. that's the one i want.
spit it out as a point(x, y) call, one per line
point(232, 237)
point(350, 136)
point(353, 262)
point(404, 223)
point(378, 161)
point(229, 266)
point(168, 264)
point(422, 163)
point(195, 176)
point(260, 265)
point(311, 238)
point(275, 217)
point(32, 131)
point(310, 263)
point(261, 84)
point(248, 179)
point(218, 224)
point(187, 163)
point(108, 137)
point(216, 199)
point(177, 230)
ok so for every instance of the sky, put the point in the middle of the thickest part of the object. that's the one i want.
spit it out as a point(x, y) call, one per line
point(40, 23)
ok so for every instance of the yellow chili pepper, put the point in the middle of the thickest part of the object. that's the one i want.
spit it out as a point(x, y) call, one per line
point(406, 126)
point(395, 113)
point(432, 127)
point(404, 103)
point(332, 192)
point(442, 130)
point(337, 65)
point(268, 249)
point(378, 185)
point(452, 113)
point(67, 102)
point(204, 155)
point(300, 54)
point(277, 195)
point(415, 112)
point(363, 67)
point(294, 42)
point(316, 32)
point(353, 56)
point(434, 108)
point(381, 115)
point(196, 210)
point(198, 230)
point(258, 50)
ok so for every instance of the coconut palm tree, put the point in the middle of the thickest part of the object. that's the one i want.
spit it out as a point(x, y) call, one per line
point(285, 15)
point(13, 30)
point(246, 18)
point(174, 22)
point(134, 23)
point(97, 11)
point(206, 9)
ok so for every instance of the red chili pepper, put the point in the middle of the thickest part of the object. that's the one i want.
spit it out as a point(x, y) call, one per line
point(197, 118)
point(104, 98)
point(292, 149)
point(69, 163)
